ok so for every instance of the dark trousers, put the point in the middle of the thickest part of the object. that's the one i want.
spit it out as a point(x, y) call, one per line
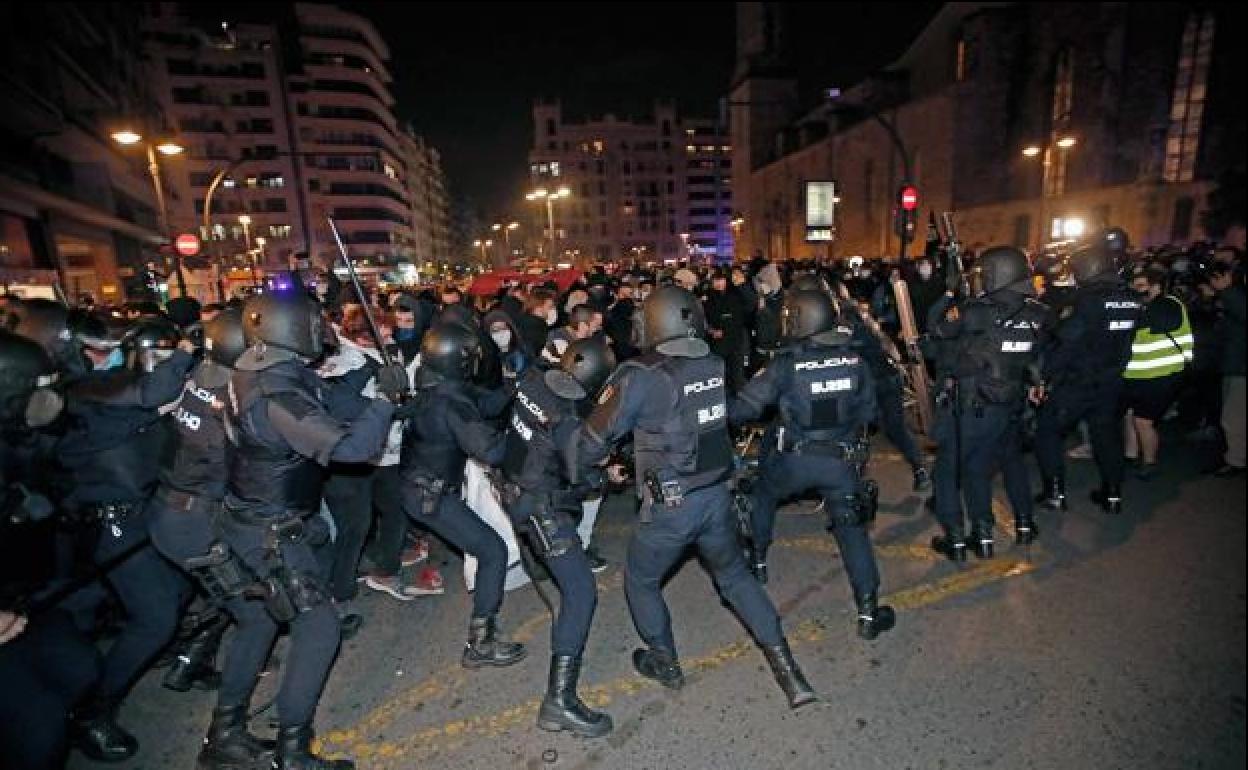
point(391, 529)
point(892, 419)
point(1061, 412)
point(572, 575)
point(787, 474)
point(990, 441)
point(44, 672)
point(152, 593)
point(349, 497)
point(703, 520)
point(314, 634)
point(452, 521)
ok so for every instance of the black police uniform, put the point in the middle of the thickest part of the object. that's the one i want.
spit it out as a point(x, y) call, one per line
point(826, 397)
point(988, 356)
point(543, 505)
point(1083, 372)
point(444, 428)
point(111, 448)
point(282, 437)
point(676, 410)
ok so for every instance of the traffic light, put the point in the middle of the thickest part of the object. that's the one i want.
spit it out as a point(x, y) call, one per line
point(907, 211)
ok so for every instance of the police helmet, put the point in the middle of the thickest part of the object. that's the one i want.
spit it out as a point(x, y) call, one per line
point(27, 373)
point(224, 340)
point(1116, 241)
point(1090, 262)
point(461, 315)
point(1004, 267)
point(583, 369)
point(149, 342)
point(809, 282)
point(450, 351)
point(806, 313)
point(672, 322)
point(44, 321)
point(291, 322)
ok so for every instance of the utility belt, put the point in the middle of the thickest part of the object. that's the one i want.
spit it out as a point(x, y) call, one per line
point(285, 590)
point(820, 445)
point(541, 520)
point(432, 491)
point(959, 397)
point(185, 502)
point(670, 493)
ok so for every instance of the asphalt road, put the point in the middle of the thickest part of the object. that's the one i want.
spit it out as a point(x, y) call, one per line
point(1110, 643)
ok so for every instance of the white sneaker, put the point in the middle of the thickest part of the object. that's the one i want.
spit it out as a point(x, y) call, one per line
point(1081, 452)
point(391, 584)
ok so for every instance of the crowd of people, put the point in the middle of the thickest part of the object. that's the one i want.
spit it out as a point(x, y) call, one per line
point(233, 472)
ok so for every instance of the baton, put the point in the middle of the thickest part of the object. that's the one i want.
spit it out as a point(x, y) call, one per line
point(359, 292)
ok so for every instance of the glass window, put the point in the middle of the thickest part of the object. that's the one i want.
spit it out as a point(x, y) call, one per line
point(1187, 104)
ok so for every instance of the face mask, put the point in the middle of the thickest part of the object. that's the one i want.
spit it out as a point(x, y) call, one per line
point(403, 335)
point(115, 359)
point(502, 338)
point(925, 271)
point(552, 317)
point(1141, 293)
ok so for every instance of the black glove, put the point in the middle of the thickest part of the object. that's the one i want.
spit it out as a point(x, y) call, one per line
point(392, 382)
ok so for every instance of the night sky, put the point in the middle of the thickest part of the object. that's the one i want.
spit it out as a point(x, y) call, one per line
point(466, 74)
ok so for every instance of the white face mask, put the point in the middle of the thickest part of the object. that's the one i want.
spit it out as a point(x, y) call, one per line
point(925, 271)
point(552, 317)
point(502, 338)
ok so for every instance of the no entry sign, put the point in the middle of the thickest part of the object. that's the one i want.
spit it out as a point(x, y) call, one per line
point(187, 244)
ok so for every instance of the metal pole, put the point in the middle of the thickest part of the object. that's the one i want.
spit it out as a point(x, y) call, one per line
point(153, 168)
point(550, 221)
point(359, 292)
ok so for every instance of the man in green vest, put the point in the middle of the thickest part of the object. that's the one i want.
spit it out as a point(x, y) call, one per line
point(1162, 349)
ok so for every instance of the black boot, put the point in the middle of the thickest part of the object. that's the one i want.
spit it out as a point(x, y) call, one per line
point(952, 547)
point(1109, 497)
point(659, 665)
point(484, 648)
point(1026, 532)
point(874, 618)
point(562, 708)
point(195, 665)
point(981, 545)
point(294, 752)
point(789, 676)
point(228, 745)
point(1053, 496)
point(95, 733)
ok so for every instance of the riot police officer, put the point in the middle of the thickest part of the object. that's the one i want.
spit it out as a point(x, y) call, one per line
point(115, 429)
point(281, 437)
point(183, 521)
point(672, 400)
point(826, 398)
point(987, 357)
point(1083, 374)
point(444, 428)
point(544, 505)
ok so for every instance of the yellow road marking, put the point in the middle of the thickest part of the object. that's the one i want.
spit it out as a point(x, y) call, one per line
point(456, 733)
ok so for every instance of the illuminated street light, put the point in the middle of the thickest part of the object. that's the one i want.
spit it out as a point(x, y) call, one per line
point(126, 137)
point(1066, 142)
point(1031, 151)
point(170, 147)
point(541, 194)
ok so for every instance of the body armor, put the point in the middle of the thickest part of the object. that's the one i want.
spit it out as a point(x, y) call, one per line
point(691, 443)
point(1110, 314)
point(267, 479)
point(531, 458)
point(198, 466)
point(999, 346)
point(823, 379)
point(429, 450)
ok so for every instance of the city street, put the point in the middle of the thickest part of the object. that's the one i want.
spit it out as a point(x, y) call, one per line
point(1110, 643)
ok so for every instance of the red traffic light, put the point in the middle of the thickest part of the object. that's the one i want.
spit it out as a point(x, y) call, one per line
point(909, 197)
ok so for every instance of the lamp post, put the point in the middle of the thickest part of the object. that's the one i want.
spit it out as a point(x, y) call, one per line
point(541, 194)
point(1045, 153)
point(245, 221)
point(169, 148)
point(506, 231)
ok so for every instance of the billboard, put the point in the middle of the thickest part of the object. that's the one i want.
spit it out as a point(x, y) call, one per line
point(820, 211)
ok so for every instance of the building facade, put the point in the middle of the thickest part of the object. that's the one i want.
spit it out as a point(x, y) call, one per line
point(1029, 121)
point(75, 207)
point(426, 187)
point(653, 189)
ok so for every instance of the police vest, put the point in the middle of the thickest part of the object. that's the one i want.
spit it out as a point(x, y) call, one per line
point(691, 442)
point(1113, 313)
point(269, 479)
point(429, 448)
point(821, 379)
point(1161, 354)
point(531, 457)
point(1000, 344)
point(198, 464)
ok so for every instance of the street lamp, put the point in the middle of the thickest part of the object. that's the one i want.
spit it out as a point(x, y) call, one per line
point(1063, 142)
point(541, 194)
point(245, 221)
point(168, 147)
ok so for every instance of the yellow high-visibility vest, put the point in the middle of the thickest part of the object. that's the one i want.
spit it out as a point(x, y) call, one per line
point(1160, 355)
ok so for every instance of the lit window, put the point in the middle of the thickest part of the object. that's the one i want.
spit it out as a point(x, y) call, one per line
point(597, 145)
point(252, 181)
point(1187, 105)
point(228, 183)
point(960, 67)
point(1063, 101)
